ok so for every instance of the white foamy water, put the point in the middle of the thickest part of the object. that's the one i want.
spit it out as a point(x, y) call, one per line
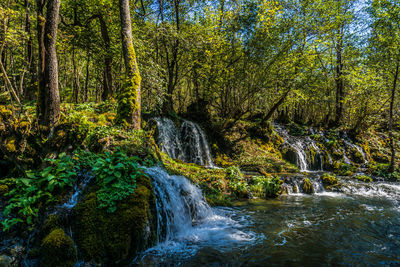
point(186, 222)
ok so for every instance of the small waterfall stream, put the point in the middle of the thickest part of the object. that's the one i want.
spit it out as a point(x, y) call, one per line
point(302, 146)
point(187, 143)
point(185, 220)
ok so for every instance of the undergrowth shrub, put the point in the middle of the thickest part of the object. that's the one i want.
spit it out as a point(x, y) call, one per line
point(115, 176)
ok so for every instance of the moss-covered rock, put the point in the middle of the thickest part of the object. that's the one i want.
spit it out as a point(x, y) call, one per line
point(329, 180)
point(58, 249)
point(307, 186)
point(114, 239)
point(364, 178)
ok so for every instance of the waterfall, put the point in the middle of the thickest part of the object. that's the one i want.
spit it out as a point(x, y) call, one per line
point(358, 148)
point(168, 137)
point(180, 204)
point(188, 143)
point(185, 221)
point(294, 185)
point(301, 155)
point(302, 145)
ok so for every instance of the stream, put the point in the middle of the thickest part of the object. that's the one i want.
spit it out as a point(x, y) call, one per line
point(360, 226)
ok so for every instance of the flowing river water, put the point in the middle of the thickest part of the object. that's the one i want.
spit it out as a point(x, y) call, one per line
point(358, 226)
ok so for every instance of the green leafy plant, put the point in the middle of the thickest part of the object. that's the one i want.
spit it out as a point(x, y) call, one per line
point(265, 187)
point(116, 175)
point(38, 187)
point(236, 183)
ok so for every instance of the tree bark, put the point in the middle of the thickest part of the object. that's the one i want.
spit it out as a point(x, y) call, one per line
point(393, 94)
point(168, 106)
point(108, 81)
point(48, 102)
point(275, 107)
point(128, 112)
point(339, 80)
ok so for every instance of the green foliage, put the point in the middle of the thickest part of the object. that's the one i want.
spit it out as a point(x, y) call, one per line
point(38, 187)
point(116, 175)
point(297, 130)
point(265, 187)
point(236, 182)
point(112, 238)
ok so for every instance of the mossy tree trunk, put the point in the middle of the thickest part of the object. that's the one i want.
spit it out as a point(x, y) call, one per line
point(128, 113)
point(48, 101)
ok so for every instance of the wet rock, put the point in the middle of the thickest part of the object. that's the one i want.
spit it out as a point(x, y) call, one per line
point(115, 238)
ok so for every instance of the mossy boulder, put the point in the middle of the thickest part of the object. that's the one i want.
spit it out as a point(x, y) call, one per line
point(364, 178)
point(58, 249)
point(356, 156)
point(114, 239)
point(329, 180)
point(307, 186)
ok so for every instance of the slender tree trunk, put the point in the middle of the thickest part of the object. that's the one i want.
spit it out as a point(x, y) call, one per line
point(85, 97)
point(392, 98)
point(48, 103)
point(275, 107)
point(168, 106)
point(108, 80)
point(339, 80)
point(31, 88)
point(128, 112)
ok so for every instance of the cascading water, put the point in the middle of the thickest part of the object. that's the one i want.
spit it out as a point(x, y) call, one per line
point(185, 221)
point(78, 187)
point(188, 143)
point(168, 137)
point(348, 143)
point(301, 145)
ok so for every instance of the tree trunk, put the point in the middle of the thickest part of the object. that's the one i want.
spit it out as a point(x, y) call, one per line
point(275, 107)
point(108, 81)
point(128, 112)
point(339, 80)
point(168, 106)
point(392, 98)
point(31, 88)
point(86, 93)
point(48, 102)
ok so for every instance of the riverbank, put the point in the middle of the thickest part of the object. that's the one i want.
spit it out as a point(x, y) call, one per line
point(61, 190)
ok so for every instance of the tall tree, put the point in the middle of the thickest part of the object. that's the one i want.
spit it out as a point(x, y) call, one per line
point(385, 42)
point(48, 102)
point(128, 112)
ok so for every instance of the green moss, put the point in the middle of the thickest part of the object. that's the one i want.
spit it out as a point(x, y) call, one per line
point(3, 189)
point(344, 169)
point(265, 186)
point(128, 112)
point(329, 180)
point(58, 249)
point(364, 178)
point(115, 239)
point(307, 186)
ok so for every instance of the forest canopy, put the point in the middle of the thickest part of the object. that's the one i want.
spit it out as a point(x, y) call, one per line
point(324, 63)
